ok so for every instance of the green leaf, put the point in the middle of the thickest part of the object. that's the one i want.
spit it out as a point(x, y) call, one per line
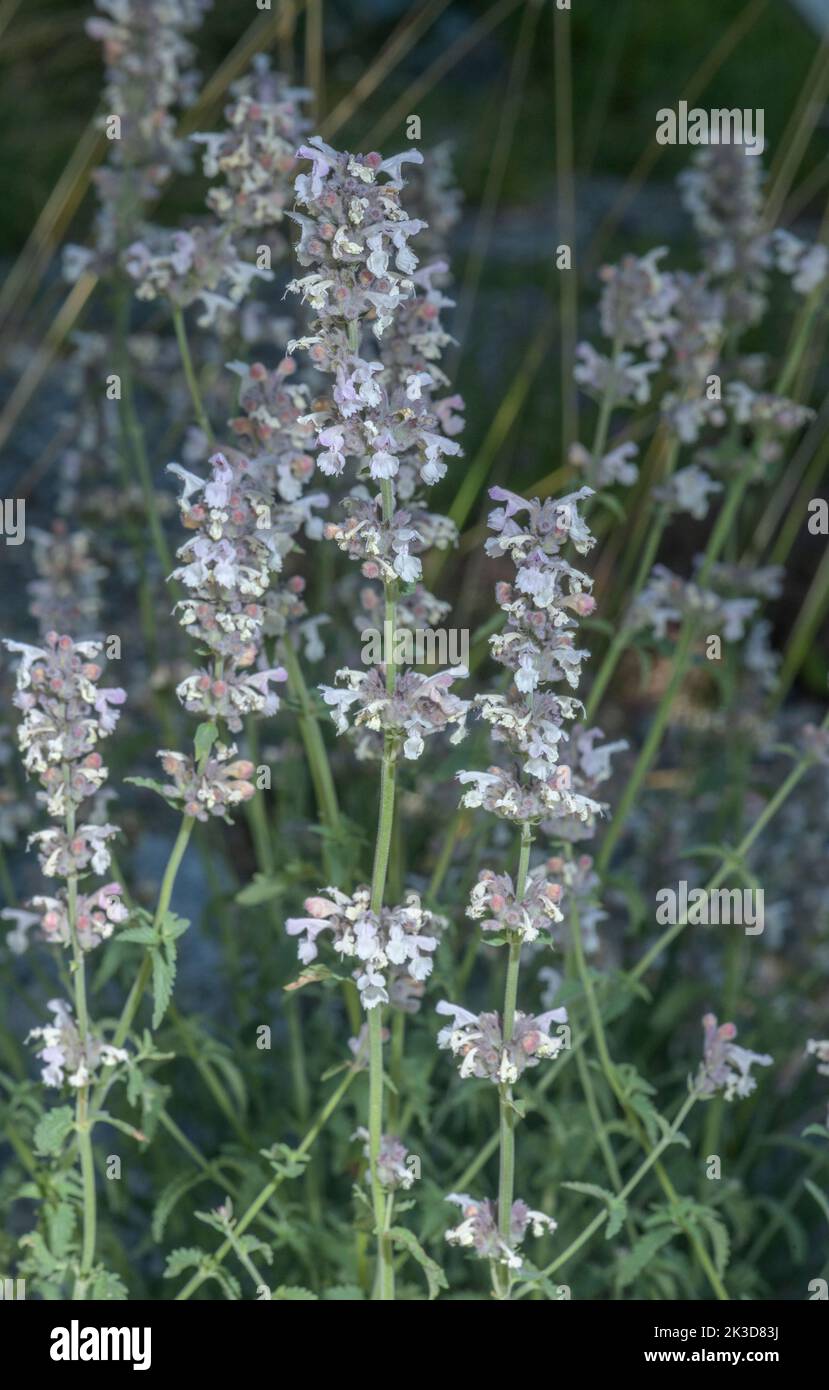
point(145, 936)
point(636, 1260)
point(616, 1206)
point(106, 1286)
point(164, 975)
point(186, 1257)
point(820, 1197)
point(172, 926)
point(616, 1213)
point(815, 1132)
point(720, 1238)
point(52, 1129)
point(206, 735)
point(170, 1197)
point(60, 1223)
point(345, 1293)
point(435, 1277)
point(263, 888)
point(285, 1161)
point(46, 1265)
point(152, 785)
point(293, 1294)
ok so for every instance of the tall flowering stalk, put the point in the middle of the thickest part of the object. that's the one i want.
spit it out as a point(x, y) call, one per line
point(538, 646)
point(66, 714)
point(381, 413)
point(149, 74)
point(217, 260)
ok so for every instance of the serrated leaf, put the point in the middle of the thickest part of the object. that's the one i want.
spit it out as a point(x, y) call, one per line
point(616, 1206)
point(52, 1130)
point(151, 785)
point(720, 1239)
point(172, 926)
point(616, 1212)
point(285, 1161)
point(60, 1224)
point(170, 1197)
point(186, 1257)
point(145, 936)
point(292, 1293)
point(590, 1189)
point(164, 975)
point(45, 1263)
point(106, 1286)
point(635, 1261)
point(435, 1277)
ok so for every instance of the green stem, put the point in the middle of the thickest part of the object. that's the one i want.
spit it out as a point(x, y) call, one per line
point(142, 979)
point(324, 789)
point(384, 1280)
point(643, 1169)
point(134, 434)
point(646, 961)
point(270, 1188)
point(623, 635)
point(83, 1127)
point(507, 1115)
point(190, 375)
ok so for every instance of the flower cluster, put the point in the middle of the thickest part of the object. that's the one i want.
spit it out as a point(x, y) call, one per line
point(723, 191)
point(97, 915)
point(579, 888)
point(392, 943)
point(65, 715)
point(148, 74)
point(201, 263)
point(616, 466)
point(590, 764)
point(211, 789)
point(726, 1068)
point(66, 595)
point(667, 599)
point(636, 313)
point(393, 1168)
point(354, 233)
point(478, 1041)
point(389, 550)
point(226, 570)
point(493, 900)
point(537, 645)
point(66, 1056)
point(255, 154)
point(479, 1229)
point(418, 706)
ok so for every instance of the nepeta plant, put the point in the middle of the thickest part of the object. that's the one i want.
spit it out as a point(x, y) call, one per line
point(425, 1008)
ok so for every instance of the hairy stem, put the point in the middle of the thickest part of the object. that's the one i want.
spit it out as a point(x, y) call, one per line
point(507, 1113)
